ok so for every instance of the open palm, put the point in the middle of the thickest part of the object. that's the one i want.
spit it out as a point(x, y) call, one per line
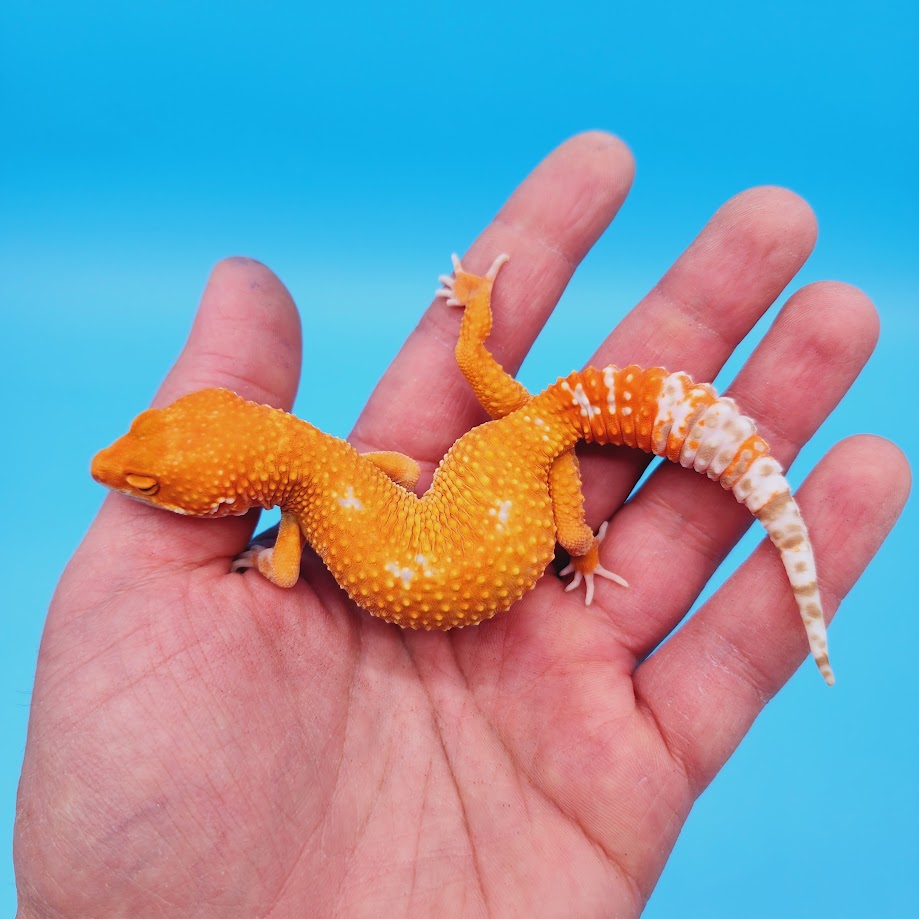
point(206, 744)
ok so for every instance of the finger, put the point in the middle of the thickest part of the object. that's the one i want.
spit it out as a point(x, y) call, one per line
point(245, 337)
point(681, 525)
point(700, 310)
point(708, 683)
point(422, 404)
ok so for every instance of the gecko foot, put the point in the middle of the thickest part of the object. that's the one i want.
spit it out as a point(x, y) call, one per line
point(462, 286)
point(586, 567)
point(247, 558)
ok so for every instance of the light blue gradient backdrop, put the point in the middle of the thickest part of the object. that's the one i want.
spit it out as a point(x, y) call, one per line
point(352, 148)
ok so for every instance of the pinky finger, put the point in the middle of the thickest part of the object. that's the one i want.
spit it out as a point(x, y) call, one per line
point(710, 681)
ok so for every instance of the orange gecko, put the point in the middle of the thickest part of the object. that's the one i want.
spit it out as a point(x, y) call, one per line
point(484, 532)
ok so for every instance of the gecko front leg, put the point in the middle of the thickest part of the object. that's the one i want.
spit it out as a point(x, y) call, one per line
point(279, 563)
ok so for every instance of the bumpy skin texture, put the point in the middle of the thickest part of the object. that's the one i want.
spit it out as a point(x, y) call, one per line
point(483, 533)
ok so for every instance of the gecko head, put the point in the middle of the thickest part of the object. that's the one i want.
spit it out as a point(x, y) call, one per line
point(193, 457)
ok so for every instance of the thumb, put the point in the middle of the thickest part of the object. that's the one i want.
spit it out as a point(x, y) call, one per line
point(246, 337)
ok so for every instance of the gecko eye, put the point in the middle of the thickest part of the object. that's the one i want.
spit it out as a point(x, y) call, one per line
point(145, 484)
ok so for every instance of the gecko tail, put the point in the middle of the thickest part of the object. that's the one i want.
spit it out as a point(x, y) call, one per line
point(780, 515)
point(688, 423)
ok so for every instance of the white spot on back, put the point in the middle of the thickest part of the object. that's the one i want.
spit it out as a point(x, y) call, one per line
point(426, 569)
point(501, 511)
point(404, 574)
point(349, 500)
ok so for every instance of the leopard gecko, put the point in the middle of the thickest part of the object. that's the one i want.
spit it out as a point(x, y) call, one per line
point(504, 494)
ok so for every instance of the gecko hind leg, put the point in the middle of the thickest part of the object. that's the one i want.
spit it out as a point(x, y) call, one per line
point(586, 567)
point(497, 391)
point(464, 287)
point(500, 394)
point(571, 528)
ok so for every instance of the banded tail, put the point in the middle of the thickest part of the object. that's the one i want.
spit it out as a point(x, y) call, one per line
point(669, 415)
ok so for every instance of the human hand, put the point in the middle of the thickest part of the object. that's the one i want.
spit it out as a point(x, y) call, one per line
point(203, 743)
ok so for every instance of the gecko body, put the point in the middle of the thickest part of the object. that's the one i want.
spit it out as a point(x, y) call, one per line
point(506, 491)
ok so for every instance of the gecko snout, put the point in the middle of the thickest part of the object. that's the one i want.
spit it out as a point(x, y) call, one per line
point(102, 469)
point(108, 468)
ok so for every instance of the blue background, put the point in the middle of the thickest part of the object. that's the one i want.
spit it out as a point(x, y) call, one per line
point(352, 148)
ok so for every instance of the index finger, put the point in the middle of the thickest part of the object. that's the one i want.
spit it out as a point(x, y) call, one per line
point(548, 225)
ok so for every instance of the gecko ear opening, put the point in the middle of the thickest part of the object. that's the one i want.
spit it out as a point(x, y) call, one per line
point(145, 484)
